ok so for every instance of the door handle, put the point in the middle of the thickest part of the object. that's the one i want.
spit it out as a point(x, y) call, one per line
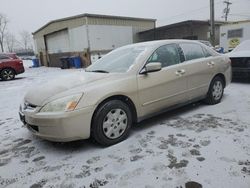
point(211, 63)
point(180, 72)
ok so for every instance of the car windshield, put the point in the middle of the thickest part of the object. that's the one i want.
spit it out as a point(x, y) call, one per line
point(244, 46)
point(120, 60)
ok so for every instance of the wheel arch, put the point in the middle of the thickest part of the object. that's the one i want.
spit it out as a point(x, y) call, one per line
point(7, 68)
point(122, 98)
point(222, 76)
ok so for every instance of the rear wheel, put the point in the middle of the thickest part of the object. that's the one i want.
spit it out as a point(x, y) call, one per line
point(215, 92)
point(7, 74)
point(111, 123)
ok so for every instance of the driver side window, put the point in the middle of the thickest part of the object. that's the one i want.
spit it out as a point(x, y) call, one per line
point(167, 55)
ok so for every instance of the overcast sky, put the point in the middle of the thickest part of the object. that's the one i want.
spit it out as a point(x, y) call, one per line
point(32, 14)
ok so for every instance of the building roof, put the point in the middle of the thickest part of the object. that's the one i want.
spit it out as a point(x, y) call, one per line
point(93, 16)
point(236, 22)
point(187, 22)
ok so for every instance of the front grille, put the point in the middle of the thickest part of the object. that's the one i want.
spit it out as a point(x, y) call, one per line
point(241, 62)
point(33, 127)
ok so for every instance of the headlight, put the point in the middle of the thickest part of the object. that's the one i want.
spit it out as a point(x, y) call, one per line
point(66, 104)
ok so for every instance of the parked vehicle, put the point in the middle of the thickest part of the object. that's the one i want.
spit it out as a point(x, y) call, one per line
point(11, 55)
point(10, 66)
point(240, 58)
point(125, 86)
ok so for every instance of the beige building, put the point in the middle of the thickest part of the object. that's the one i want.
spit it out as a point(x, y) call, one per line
point(233, 33)
point(86, 35)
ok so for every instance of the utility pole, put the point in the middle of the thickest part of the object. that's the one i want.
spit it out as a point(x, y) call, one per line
point(212, 27)
point(227, 9)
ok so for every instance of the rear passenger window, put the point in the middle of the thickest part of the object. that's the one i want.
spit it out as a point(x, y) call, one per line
point(167, 55)
point(206, 52)
point(192, 51)
point(4, 57)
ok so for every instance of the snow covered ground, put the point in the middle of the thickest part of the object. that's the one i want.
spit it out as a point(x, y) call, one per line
point(197, 145)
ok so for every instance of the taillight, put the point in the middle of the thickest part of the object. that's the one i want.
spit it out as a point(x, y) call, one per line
point(228, 60)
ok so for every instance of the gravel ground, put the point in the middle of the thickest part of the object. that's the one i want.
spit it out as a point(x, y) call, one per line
point(195, 146)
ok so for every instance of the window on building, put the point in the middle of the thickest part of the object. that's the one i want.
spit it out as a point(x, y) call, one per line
point(235, 33)
point(192, 51)
point(167, 55)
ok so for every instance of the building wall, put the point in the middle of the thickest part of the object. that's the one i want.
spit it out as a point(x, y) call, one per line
point(229, 42)
point(78, 39)
point(137, 26)
point(187, 31)
point(104, 35)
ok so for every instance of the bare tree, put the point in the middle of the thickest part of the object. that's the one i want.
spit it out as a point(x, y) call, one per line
point(26, 40)
point(3, 26)
point(10, 42)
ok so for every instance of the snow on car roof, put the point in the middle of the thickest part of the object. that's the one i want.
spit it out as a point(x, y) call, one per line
point(242, 50)
point(244, 46)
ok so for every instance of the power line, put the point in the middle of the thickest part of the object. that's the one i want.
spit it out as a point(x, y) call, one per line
point(189, 12)
point(227, 9)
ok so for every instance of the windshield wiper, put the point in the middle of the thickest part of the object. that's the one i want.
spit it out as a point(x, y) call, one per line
point(101, 71)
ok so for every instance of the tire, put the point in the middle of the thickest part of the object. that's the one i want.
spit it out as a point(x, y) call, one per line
point(215, 92)
point(111, 123)
point(7, 74)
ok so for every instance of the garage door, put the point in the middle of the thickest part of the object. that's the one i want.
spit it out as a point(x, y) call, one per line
point(58, 42)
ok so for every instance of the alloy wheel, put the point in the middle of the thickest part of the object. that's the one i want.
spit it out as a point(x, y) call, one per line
point(115, 123)
point(217, 90)
point(8, 74)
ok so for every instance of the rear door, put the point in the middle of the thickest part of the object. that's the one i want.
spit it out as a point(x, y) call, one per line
point(164, 88)
point(200, 68)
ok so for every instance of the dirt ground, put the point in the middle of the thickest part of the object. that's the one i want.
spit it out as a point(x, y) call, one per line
point(195, 146)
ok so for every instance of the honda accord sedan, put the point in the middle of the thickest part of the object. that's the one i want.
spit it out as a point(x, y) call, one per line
point(126, 86)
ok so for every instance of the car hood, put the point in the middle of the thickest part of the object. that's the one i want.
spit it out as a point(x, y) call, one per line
point(237, 54)
point(38, 94)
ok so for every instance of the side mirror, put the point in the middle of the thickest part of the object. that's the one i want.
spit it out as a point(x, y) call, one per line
point(151, 67)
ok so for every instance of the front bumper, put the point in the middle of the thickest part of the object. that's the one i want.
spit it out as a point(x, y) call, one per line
point(58, 126)
point(20, 70)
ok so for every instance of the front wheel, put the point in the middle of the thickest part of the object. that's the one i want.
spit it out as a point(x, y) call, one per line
point(111, 123)
point(7, 74)
point(215, 92)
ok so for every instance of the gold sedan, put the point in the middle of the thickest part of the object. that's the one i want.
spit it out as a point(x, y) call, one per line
point(127, 85)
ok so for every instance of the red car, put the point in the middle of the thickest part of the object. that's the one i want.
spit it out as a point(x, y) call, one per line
point(10, 66)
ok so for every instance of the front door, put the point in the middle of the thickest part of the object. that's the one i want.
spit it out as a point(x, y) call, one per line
point(164, 88)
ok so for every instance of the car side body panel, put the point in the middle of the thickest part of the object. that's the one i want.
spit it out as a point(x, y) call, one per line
point(15, 64)
point(160, 89)
point(199, 73)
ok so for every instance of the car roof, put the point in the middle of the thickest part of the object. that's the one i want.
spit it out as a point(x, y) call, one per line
point(11, 55)
point(157, 43)
point(243, 46)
